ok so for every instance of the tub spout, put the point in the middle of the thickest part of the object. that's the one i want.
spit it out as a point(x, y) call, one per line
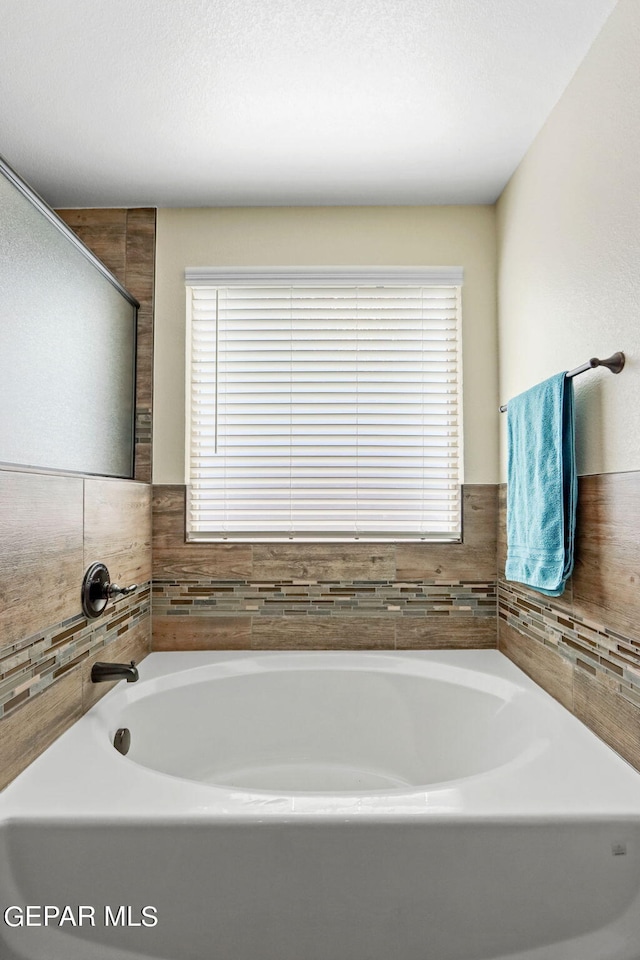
point(114, 671)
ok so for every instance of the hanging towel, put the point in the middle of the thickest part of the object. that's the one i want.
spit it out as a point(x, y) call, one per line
point(542, 486)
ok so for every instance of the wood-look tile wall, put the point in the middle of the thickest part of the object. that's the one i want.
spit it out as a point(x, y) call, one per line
point(125, 242)
point(324, 595)
point(51, 530)
point(584, 647)
point(53, 527)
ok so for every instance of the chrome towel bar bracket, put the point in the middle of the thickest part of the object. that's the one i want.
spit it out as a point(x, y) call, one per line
point(615, 363)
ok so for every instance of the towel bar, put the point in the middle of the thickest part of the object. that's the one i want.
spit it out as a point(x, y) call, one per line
point(615, 363)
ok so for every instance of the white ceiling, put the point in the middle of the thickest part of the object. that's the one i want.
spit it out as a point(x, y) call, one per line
point(239, 102)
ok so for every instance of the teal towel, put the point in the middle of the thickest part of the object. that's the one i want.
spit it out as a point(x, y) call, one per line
point(542, 486)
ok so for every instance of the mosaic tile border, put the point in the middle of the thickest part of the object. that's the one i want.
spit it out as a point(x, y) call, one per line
point(31, 665)
point(587, 645)
point(333, 598)
point(143, 425)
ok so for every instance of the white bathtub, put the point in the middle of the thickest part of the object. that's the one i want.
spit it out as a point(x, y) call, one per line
point(324, 806)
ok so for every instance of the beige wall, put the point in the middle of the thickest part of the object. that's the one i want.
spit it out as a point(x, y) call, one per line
point(272, 236)
point(569, 249)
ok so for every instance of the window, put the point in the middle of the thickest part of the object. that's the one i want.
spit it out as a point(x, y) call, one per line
point(324, 404)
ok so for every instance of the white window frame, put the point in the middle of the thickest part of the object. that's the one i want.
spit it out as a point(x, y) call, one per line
point(330, 276)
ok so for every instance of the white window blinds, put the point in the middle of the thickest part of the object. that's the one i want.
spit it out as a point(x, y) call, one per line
point(321, 408)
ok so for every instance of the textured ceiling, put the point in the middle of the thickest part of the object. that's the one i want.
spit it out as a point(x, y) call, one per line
point(235, 102)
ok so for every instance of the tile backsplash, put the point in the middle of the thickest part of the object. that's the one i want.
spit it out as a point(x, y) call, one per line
point(591, 647)
point(584, 646)
point(324, 595)
point(30, 665)
point(46, 644)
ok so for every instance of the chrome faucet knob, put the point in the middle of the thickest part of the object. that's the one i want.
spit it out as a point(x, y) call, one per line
point(113, 590)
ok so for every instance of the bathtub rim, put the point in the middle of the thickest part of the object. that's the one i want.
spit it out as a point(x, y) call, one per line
point(82, 778)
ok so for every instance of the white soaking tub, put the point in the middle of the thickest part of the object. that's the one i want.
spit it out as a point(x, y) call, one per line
point(324, 806)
